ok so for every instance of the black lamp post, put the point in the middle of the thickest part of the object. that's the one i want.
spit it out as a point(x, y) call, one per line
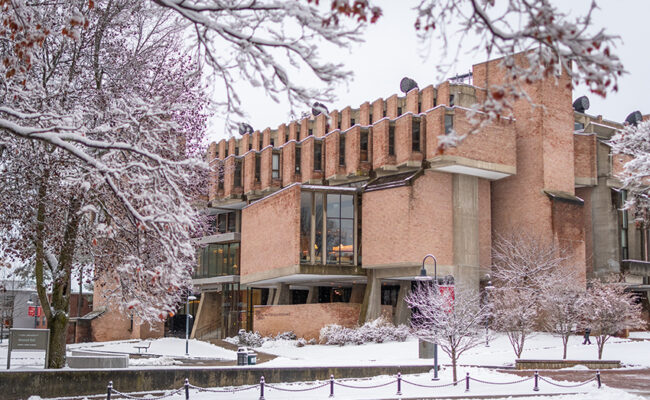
point(187, 324)
point(488, 289)
point(424, 277)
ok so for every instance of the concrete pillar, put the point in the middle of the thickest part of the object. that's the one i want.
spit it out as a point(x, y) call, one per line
point(606, 248)
point(282, 295)
point(269, 300)
point(402, 311)
point(358, 291)
point(371, 307)
point(312, 296)
point(466, 231)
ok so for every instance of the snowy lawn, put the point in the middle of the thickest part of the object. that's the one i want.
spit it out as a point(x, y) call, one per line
point(500, 353)
point(169, 347)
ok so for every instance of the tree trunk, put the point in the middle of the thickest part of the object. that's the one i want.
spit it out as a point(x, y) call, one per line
point(453, 366)
point(58, 325)
point(601, 346)
point(565, 342)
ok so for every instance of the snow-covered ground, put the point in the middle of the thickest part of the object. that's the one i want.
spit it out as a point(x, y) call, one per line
point(500, 353)
point(167, 351)
point(633, 353)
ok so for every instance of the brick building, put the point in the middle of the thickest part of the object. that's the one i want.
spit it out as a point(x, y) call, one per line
point(327, 219)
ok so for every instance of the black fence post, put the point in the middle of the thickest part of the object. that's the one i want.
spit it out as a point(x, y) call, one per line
point(467, 382)
point(187, 389)
point(262, 388)
point(399, 384)
point(109, 389)
point(536, 388)
point(598, 378)
point(331, 385)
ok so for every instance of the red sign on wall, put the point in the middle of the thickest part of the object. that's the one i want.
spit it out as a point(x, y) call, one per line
point(31, 310)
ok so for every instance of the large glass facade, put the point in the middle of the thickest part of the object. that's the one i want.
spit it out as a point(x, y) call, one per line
point(217, 260)
point(332, 216)
point(305, 226)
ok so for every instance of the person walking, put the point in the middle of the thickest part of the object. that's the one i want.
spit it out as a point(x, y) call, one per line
point(587, 333)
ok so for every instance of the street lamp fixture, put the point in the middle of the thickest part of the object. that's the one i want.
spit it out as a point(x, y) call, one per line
point(187, 324)
point(424, 277)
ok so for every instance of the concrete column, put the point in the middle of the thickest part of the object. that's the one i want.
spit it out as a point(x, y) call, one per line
point(312, 296)
point(371, 307)
point(606, 240)
point(466, 231)
point(282, 295)
point(269, 300)
point(402, 311)
point(358, 291)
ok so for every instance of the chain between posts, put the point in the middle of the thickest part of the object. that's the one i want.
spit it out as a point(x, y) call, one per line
point(331, 383)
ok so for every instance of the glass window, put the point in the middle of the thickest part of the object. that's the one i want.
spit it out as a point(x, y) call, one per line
point(237, 174)
point(449, 123)
point(305, 226)
point(415, 135)
point(275, 170)
point(340, 229)
point(297, 166)
point(221, 223)
point(261, 142)
point(233, 259)
point(272, 142)
point(451, 100)
point(258, 162)
point(341, 150)
point(220, 176)
point(352, 122)
point(363, 146)
point(318, 153)
point(391, 140)
point(399, 111)
point(232, 222)
point(318, 239)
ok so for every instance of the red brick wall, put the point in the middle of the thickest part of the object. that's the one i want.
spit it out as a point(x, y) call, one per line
point(585, 156)
point(306, 320)
point(405, 223)
point(270, 232)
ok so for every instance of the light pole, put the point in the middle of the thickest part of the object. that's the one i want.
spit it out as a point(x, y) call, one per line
point(424, 277)
point(187, 324)
point(488, 289)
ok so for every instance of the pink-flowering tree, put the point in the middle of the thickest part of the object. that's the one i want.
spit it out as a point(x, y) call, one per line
point(453, 321)
point(525, 269)
point(608, 309)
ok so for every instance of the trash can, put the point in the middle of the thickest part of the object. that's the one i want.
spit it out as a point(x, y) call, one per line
point(242, 356)
point(252, 358)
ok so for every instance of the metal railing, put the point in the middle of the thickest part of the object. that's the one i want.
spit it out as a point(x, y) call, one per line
point(399, 381)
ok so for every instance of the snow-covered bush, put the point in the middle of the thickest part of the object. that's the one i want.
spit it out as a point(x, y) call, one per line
point(250, 339)
point(289, 335)
point(377, 331)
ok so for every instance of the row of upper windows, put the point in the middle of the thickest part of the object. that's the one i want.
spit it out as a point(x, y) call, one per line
point(318, 159)
point(416, 146)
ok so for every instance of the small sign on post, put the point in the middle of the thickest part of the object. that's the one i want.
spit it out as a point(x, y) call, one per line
point(29, 340)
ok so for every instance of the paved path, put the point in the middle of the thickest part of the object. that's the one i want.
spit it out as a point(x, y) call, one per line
point(632, 380)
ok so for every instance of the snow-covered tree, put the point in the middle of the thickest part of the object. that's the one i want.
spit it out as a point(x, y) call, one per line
point(562, 311)
point(453, 321)
point(99, 117)
point(608, 309)
point(525, 269)
point(633, 144)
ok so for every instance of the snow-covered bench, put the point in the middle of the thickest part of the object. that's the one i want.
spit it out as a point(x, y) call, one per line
point(143, 346)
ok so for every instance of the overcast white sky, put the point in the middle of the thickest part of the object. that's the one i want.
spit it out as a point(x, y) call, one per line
point(391, 51)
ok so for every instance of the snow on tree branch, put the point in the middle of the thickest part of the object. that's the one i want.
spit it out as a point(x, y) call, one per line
point(266, 44)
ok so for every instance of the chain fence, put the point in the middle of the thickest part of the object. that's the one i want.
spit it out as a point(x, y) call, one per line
point(114, 394)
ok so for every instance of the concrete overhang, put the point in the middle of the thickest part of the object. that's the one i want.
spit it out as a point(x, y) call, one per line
point(466, 166)
point(306, 274)
point(214, 282)
point(220, 238)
